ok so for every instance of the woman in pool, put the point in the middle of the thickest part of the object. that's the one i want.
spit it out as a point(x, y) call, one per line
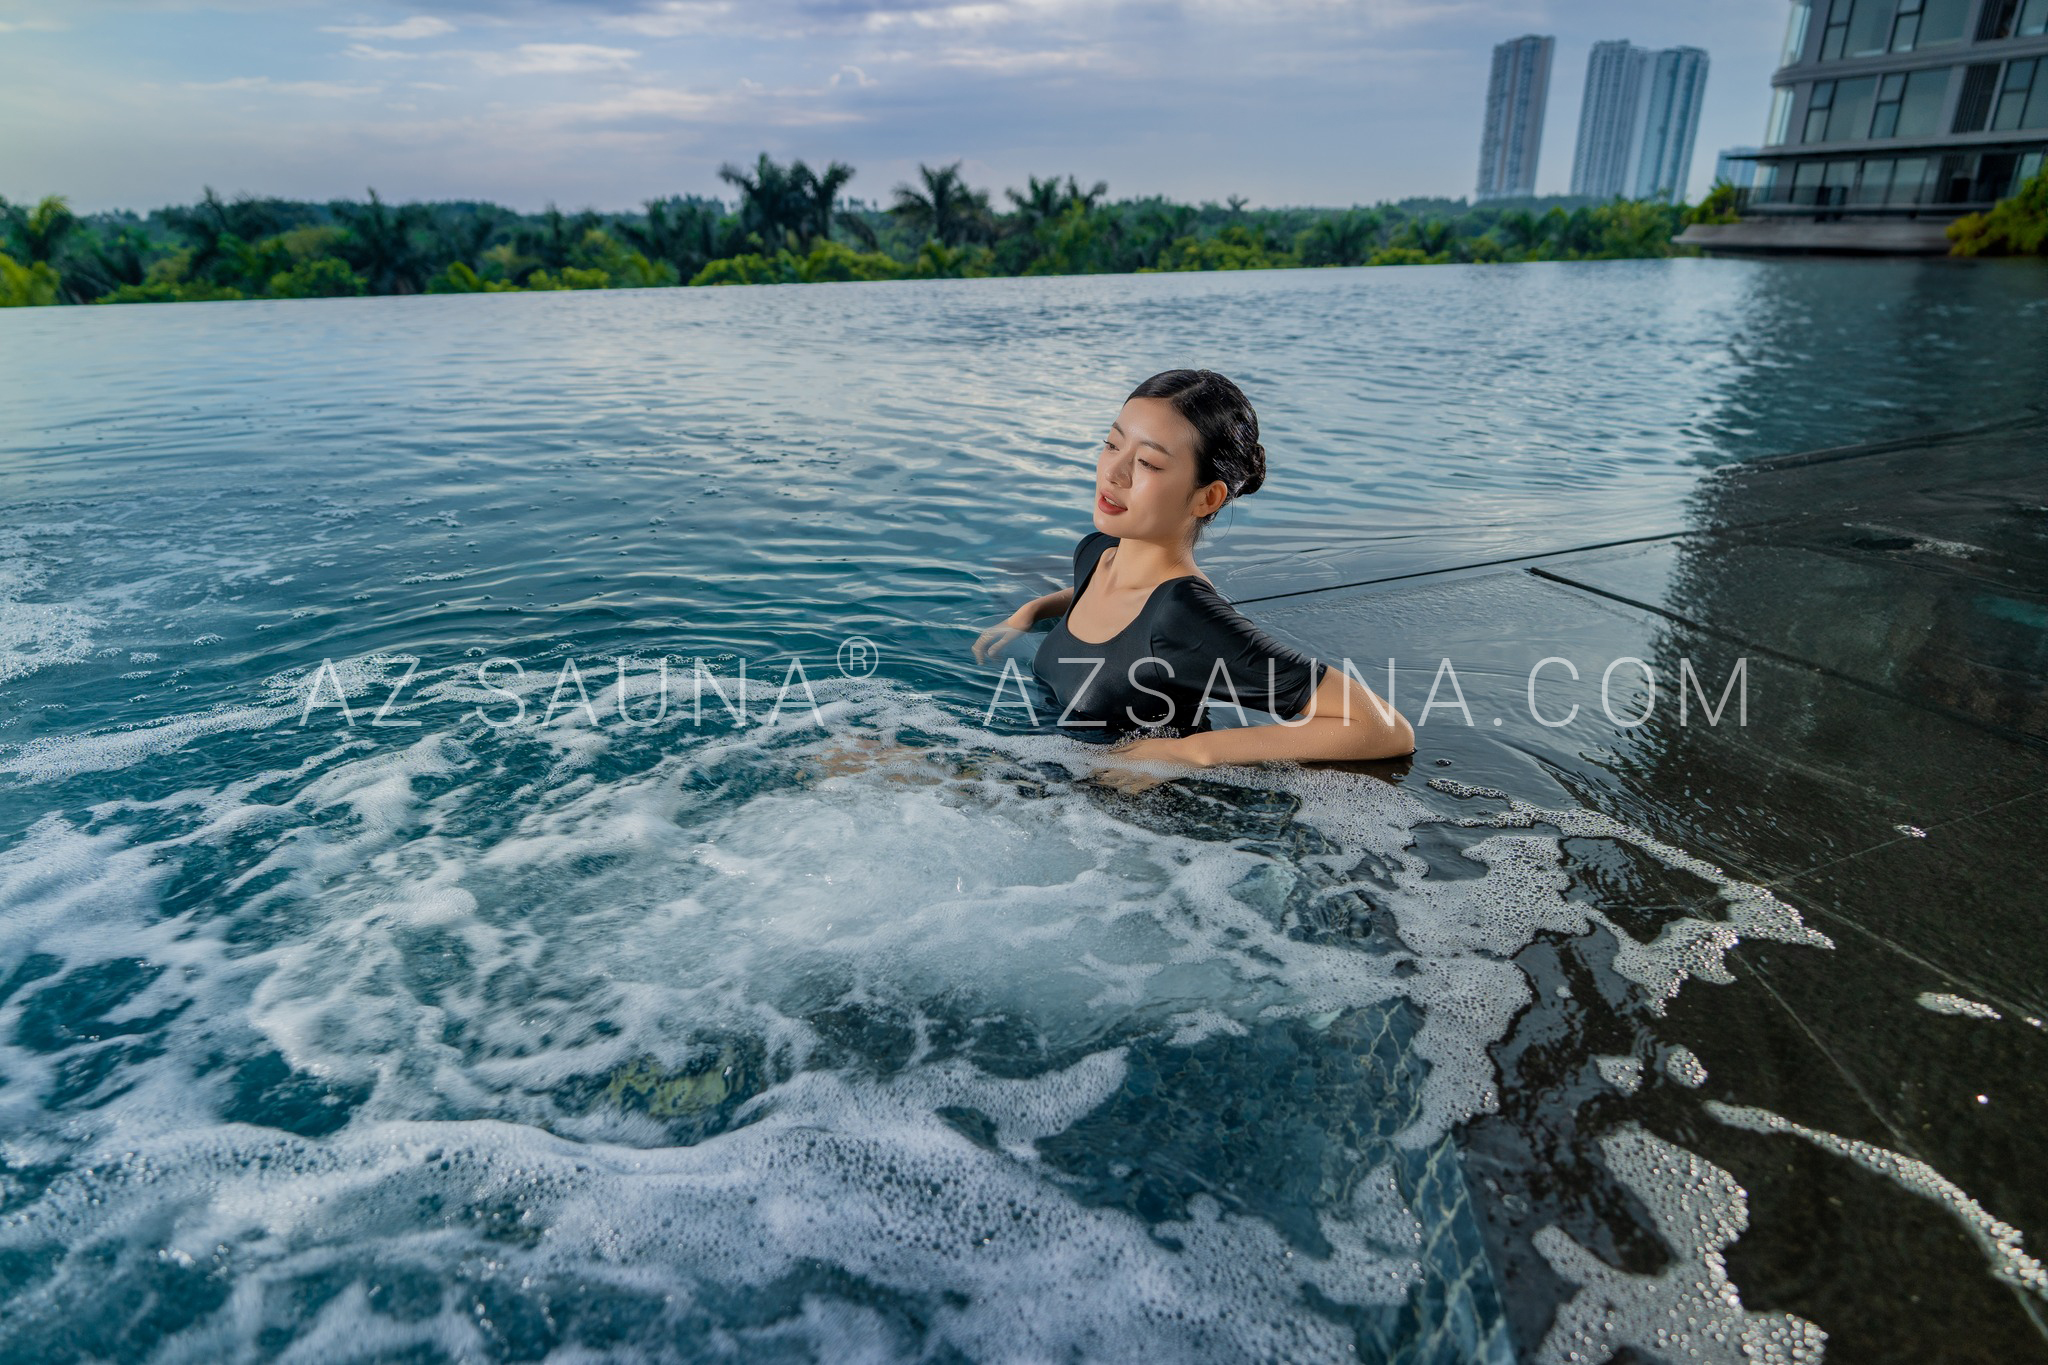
point(1145, 648)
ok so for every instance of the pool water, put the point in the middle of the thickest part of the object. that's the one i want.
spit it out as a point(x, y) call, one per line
point(355, 1004)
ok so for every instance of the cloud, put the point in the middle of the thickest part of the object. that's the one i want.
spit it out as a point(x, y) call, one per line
point(364, 52)
point(648, 106)
point(949, 16)
point(556, 59)
point(1013, 61)
point(671, 18)
point(311, 89)
point(419, 26)
point(852, 75)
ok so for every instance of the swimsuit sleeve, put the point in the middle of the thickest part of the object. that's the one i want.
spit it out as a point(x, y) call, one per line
point(1200, 628)
point(1090, 549)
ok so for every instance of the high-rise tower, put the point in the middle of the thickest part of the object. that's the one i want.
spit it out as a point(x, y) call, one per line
point(1610, 120)
point(1515, 97)
point(1671, 123)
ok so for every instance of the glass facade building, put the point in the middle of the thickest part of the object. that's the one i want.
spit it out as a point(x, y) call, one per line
point(1515, 97)
point(1671, 123)
point(1737, 166)
point(1904, 108)
point(1638, 121)
point(1610, 120)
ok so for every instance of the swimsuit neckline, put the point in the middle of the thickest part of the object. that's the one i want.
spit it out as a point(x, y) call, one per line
point(1143, 607)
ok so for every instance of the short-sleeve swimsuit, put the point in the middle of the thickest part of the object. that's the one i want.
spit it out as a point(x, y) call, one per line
point(1186, 640)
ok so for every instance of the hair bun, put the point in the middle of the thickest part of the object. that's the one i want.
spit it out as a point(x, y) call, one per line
point(1257, 478)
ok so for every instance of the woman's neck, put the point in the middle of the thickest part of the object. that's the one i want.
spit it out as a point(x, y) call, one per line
point(1145, 564)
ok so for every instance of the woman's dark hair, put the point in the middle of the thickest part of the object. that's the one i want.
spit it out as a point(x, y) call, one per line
point(1226, 430)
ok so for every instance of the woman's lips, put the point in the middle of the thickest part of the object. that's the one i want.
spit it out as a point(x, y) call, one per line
point(1103, 504)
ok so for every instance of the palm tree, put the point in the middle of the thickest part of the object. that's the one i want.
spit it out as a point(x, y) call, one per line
point(550, 241)
point(821, 192)
point(1432, 236)
point(775, 201)
point(381, 247)
point(862, 231)
point(1342, 239)
point(105, 264)
point(946, 209)
point(217, 229)
point(1086, 198)
point(1160, 224)
point(203, 225)
point(1041, 203)
point(683, 232)
point(465, 238)
point(40, 231)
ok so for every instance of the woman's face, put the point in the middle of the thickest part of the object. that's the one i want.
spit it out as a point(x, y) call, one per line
point(1145, 475)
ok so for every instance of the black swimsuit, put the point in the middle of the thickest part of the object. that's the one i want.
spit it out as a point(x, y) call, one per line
point(1153, 672)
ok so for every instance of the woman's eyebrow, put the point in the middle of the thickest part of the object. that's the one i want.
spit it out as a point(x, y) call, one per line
point(1117, 427)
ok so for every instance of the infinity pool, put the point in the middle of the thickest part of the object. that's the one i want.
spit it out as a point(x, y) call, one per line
point(478, 1022)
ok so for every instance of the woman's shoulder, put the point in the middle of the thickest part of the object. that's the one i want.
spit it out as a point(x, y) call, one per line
point(1196, 611)
point(1090, 547)
point(1203, 596)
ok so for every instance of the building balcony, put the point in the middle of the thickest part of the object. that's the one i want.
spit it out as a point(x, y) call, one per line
point(1939, 178)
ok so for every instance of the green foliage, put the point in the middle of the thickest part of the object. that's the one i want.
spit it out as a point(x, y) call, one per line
point(827, 261)
point(2016, 226)
point(787, 204)
point(1236, 247)
point(168, 291)
point(944, 208)
point(833, 261)
point(1717, 207)
point(321, 278)
point(936, 261)
point(1341, 239)
point(36, 235)
point(459, 278)
point(26, 286)
point(681, 233)
point(569, 277)
point(383, 243)
point(599, 252)
point(792, 225)
point(752, 268)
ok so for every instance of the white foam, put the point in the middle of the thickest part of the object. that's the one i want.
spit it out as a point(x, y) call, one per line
point(36, 635)
point(1682, 1066)
point(1943, 1003)
point(1008, 1268)
point(1623, 1073)
point(401, 914)
point(1999, 1240)
point(1690, 1311)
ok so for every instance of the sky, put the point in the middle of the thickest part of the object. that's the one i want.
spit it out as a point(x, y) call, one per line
point(607, 103)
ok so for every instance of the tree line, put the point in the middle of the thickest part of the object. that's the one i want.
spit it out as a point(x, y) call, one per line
point(786, 223)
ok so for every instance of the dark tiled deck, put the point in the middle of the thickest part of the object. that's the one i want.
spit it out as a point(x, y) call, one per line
point(1890, 781)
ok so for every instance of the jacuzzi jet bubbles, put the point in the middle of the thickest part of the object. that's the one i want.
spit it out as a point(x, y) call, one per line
point(662, 1022)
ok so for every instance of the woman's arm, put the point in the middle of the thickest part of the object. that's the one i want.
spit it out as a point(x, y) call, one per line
point(1373, 729)
point(990, 642)
point(1041, 608)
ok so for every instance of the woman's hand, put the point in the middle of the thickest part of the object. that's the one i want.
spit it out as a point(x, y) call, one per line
point(861, 753)
point(1176, 753)
point(995, 639)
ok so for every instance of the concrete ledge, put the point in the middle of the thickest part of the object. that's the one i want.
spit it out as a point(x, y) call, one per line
point(1869, 237)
